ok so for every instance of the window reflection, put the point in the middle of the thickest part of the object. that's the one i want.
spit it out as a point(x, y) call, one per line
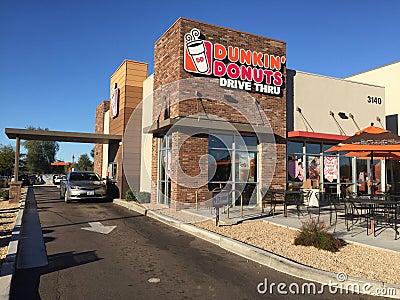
point(223, 163)
point(240, 173)
point(246, 166)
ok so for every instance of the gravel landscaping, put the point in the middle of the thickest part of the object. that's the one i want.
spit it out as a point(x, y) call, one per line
point(353, 259)
point(8, 214)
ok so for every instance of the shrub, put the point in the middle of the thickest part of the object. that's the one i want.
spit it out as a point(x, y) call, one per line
point(315, 233)
point(130, 196)
point(5, 194)
point(140, 197)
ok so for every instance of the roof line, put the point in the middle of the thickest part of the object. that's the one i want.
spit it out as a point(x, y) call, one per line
point(61, 136)
point(392, 63)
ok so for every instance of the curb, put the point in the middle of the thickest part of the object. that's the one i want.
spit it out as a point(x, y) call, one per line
point(8, 268)
point(352, 284)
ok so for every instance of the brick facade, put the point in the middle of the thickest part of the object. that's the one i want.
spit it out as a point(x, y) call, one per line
point(101, 109)
point(168, 68)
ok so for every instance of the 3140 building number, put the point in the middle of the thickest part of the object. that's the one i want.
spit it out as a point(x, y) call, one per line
point(374, 100)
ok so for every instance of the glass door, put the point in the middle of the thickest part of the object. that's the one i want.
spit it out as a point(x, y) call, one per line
point(246, 176)
point(164, 175)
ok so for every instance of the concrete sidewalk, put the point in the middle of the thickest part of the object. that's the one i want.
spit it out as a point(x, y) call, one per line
point(26, 248)
point(269, 259)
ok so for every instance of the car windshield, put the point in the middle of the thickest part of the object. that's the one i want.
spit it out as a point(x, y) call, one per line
point(84, 177)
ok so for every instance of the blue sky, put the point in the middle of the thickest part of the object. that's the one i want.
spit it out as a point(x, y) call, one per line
point(56, 57)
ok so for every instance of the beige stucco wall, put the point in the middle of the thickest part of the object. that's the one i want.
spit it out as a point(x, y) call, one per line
point(105, 146)
point(317, 95)
point(147, 109)
point(389, 77)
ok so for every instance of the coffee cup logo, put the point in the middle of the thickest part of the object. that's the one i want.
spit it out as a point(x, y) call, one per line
point(197, 50)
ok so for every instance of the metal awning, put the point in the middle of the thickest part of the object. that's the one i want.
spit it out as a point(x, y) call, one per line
point(161, 127)
point(62, 136)
point(58, 136)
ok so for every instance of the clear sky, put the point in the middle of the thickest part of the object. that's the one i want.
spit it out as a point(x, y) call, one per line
point(56, 57)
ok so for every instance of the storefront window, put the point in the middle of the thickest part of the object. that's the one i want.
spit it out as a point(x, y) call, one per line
point(362, 176)
point(164, 175)
point(331, 168)
point(313, 170)
point(295, 166)
point(223, 162)
point(346, 169)
point(313, 148)
point(240, 174)
point(220, 141)
point(393, 175)
point(246, 166)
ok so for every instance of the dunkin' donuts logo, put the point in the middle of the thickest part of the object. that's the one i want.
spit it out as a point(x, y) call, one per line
point(235, 67)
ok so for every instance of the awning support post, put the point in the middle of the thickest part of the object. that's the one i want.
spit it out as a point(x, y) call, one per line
point(16, 163)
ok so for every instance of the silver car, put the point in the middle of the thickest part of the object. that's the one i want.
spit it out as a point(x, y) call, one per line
point(82, 185)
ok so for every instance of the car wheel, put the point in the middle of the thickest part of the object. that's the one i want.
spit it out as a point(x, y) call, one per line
point(66, 199)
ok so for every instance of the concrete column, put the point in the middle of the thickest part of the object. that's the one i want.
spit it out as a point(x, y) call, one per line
point(16, 166)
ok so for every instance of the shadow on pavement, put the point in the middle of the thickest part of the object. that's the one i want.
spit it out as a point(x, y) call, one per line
point(26, 282)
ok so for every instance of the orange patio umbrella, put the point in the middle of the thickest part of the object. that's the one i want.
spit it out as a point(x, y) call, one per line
point(370, 142)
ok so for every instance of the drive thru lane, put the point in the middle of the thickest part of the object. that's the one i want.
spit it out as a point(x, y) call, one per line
point(139, 258)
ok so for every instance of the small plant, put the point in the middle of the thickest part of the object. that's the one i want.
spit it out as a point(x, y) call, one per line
point(130, 196)
point(315, 233)
point(5, 194)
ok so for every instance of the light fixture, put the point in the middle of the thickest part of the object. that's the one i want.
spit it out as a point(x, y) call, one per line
point(305, 122)
point(199, 96)
point(342, 115)
point(230, 99)
point(354, 121)
point(379, 120)
point(341, 131)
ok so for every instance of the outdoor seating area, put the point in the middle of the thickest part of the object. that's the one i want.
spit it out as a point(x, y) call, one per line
point(374, 213)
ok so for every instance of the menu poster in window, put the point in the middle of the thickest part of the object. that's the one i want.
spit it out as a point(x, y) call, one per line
point(313, 167)
point(330, 168)
point(244, 167)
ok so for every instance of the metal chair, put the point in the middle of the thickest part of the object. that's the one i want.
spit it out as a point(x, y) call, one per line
point(386, 215)
point(357, 212)
point(328, 202)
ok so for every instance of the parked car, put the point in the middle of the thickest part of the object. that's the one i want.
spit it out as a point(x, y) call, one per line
point(80, 185)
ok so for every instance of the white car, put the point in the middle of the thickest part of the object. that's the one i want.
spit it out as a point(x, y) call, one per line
point(80, 185)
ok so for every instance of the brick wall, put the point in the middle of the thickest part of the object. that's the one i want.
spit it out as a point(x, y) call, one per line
point(101, 109)
point(168, 68)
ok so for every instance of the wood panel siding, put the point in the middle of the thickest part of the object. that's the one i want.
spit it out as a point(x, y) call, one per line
point(129, 78)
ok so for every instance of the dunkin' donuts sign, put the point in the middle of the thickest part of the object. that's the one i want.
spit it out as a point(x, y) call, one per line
point(235, 67)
